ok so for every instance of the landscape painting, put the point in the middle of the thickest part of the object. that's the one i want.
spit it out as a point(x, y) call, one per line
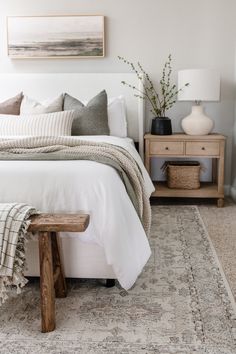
point(55, 36)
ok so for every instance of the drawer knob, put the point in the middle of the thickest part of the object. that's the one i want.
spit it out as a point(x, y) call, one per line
point(166, 148)
point(203, 148)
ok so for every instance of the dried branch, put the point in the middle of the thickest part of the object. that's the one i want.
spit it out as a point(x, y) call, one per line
point(160, 102)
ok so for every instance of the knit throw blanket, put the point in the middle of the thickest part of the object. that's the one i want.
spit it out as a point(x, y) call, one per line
point(69, 148)
point(13, 227)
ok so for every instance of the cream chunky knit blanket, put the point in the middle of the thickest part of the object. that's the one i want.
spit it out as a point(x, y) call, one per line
point(69, 148)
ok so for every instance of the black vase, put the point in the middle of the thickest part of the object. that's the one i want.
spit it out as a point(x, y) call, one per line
point(161, 126)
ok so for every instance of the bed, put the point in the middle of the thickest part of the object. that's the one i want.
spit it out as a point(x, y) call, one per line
point(115, 244)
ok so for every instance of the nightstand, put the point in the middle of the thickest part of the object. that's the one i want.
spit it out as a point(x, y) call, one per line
point(181, 145)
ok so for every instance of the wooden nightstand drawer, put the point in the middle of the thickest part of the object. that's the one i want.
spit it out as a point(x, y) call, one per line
point(203, 148)
point(166, 147)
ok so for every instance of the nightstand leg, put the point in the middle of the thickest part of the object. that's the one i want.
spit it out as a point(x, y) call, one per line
point(220, 203)
point(221, 169)
point(147, 158)
point(214, 170)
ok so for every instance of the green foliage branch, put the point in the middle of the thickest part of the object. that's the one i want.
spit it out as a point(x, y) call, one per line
point(160, 102)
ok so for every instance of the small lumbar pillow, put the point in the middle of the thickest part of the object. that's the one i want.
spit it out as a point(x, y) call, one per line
point(91, 119)
point(50, 124)
point(12, 105)
point(31, 106)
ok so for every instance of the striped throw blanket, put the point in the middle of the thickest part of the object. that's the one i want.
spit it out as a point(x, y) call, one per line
point(13, 228)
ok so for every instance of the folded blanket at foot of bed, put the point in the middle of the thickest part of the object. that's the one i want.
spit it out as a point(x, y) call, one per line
point(14, 221)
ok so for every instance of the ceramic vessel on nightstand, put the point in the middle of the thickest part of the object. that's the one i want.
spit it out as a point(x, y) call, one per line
point(197, 123)
point(161, 126)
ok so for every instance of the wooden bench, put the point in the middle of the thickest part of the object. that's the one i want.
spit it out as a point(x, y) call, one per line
point(52, 278)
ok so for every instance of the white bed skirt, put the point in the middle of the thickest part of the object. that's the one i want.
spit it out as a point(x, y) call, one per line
point(80, 259)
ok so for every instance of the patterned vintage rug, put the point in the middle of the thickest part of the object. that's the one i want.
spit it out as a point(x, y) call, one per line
point(221, 226)
point(179, 305)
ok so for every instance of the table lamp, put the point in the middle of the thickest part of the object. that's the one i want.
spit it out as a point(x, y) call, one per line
point(204, 85)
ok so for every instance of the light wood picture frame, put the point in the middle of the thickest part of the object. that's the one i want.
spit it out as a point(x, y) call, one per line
point(59, 36)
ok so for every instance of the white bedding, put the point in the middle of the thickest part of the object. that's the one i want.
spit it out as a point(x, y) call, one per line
point(72, 186)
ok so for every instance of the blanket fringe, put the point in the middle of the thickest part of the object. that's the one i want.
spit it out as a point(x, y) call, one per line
point(17, 280)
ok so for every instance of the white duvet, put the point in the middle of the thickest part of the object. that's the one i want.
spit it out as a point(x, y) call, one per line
point(95, 188)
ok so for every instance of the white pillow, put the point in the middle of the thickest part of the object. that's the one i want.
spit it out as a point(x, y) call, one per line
point(117, 117)
point(31, 106)
point(51, 124)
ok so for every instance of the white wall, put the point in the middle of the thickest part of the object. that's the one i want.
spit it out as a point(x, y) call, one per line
point(198, 33)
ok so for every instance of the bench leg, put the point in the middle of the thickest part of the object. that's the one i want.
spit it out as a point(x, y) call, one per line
point(58, 269)
point(46, 283)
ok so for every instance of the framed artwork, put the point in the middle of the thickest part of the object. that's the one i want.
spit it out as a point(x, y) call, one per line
point(55, 36)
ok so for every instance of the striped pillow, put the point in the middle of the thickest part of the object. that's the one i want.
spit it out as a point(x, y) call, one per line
point(50, 124)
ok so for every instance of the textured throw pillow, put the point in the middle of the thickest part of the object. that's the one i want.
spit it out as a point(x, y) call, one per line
point(117, 120)
point(51, 124)
point(31, 106)
point(12, 105)
point(91, 119)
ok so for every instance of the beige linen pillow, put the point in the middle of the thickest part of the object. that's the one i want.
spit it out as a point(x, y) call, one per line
point(12, 105)
point(50, 124)
point(31, 106)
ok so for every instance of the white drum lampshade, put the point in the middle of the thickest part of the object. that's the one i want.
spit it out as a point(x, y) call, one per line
point(204, 85)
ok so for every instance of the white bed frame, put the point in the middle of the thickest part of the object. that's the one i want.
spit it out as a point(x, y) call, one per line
point(81, 260)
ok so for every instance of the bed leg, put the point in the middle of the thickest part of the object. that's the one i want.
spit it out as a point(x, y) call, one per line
point(110, 283)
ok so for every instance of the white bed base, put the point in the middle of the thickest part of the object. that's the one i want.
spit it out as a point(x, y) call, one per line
point(81, 260)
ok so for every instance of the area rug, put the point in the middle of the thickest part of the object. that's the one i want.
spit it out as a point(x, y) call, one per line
point(221, 226)
point(179, 305)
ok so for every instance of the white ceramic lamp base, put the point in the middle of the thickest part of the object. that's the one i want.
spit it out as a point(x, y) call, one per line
point(197, 123)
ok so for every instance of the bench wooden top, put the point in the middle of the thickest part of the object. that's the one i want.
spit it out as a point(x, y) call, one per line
point(59, 222)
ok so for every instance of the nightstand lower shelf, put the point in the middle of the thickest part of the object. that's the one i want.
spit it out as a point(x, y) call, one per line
point(207, 190)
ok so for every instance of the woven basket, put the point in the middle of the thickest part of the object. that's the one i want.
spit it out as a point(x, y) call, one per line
point(183, 174)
